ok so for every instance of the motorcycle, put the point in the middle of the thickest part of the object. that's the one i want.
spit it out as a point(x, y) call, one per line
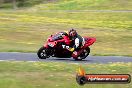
point(53, 47)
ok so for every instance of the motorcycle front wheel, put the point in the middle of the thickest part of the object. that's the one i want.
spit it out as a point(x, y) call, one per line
point(42, 54)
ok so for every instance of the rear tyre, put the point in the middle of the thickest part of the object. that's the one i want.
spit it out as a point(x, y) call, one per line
point(84, 54)
point(42, 53)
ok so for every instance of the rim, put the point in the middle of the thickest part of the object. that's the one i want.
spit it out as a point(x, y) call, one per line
point(84, 54)
point(43, 53)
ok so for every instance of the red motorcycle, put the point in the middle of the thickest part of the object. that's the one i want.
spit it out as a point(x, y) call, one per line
point(53, 47)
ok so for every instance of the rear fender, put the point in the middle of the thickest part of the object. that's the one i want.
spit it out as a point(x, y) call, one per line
point(89, 42)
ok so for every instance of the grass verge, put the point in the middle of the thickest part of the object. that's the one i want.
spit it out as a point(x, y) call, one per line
point(15, 74)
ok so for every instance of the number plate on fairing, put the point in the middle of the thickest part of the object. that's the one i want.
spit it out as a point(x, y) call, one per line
point(51, 45)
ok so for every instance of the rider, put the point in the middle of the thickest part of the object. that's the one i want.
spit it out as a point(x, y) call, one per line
point(71, 40)
point(76, 40)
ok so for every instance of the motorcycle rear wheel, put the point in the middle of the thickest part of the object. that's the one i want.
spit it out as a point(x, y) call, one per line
point(84, 54)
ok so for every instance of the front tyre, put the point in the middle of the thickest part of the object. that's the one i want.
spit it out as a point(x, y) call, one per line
point(42, 53)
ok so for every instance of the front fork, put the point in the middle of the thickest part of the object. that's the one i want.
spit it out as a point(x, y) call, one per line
point(46, 45)
point(50, 51)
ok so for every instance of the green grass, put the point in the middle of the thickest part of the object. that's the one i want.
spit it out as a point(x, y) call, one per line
point(55, 74)
point(26, 31)
point(87, 5)
point(73, 4)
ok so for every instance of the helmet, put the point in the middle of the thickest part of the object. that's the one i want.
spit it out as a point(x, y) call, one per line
point(72, 33)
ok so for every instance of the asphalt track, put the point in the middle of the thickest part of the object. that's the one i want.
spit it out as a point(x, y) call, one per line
point(16, 56)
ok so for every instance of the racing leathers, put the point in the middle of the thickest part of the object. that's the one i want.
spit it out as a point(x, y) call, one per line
point(76, 42)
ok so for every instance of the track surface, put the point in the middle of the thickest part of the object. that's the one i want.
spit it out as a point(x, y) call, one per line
point(15, 56)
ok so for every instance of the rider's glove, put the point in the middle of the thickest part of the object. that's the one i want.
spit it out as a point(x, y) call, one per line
point(71, 49)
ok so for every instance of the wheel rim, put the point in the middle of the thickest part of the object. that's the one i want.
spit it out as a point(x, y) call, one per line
point(83, 55)
point(85, 52)
point(43, 53)
point(79, 58)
